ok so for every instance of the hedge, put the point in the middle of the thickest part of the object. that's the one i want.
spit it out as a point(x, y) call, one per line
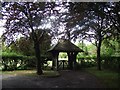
point(14, 61)
point(108, 62)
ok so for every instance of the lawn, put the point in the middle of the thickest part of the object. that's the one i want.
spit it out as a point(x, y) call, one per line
point(46, 73)
point(107, 77)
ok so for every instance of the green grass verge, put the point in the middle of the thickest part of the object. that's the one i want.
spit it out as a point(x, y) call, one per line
point(107, 77)
point(46, 73)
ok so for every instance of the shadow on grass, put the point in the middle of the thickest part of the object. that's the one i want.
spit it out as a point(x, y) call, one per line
point(108, 78)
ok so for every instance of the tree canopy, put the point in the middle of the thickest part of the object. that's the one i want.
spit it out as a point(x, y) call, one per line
point(96, 23)
point(70, 20)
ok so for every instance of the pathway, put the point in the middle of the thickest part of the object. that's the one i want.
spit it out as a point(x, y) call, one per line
point(68, 79)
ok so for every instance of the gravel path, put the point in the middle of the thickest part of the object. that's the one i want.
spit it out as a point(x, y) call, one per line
point(68, 79)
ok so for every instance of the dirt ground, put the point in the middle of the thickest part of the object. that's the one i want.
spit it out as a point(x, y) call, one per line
point(67, 79)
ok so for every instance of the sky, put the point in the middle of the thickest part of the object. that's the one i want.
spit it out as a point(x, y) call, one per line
point(2, 22)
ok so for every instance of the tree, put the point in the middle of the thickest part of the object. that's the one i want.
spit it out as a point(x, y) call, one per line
point(113, 13)
point(28, 49)
point(91, 50)
point(24, 18)
point(23, 46)
point(101, 25)
point(95, 24)
point(110, 47)
point(83, 46)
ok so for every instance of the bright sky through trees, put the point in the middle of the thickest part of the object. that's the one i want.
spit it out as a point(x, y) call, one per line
point(48, 24)
point(2, 22)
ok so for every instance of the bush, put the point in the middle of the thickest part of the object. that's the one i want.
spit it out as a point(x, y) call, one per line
point(110, 62)
point(87, 61)
point(14, 61)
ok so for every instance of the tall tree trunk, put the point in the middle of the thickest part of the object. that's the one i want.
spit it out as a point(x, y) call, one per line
point(37, 53)
point(98, 54)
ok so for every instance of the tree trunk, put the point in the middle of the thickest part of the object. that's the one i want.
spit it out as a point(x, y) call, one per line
point(37, 53)
point(98, 54)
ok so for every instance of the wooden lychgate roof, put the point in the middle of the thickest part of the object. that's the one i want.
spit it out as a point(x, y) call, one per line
point(64, 45)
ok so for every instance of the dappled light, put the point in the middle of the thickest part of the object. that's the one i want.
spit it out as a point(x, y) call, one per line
point(60, 44)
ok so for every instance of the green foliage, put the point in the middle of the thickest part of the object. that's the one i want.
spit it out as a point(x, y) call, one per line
point(111, 62)
point(62, 55)
point(14, 61)
point(110, 54)
point(28, 17)
point(109, 47)
point(20, 54)
point(23, 46)
point(97, 23)
point(88, 57)
point(12, 55)
point(109, 59)
point(84, 48)
point(87, 61)
point(89, 51)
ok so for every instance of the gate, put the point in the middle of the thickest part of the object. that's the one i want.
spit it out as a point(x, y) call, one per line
point(62, 64)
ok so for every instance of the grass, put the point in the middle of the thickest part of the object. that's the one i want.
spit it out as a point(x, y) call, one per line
point(46, 73)
point(107, 77)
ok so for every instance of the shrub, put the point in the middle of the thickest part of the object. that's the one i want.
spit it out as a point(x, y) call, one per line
point(87, 61)
point(110, 62)
point(14, 61)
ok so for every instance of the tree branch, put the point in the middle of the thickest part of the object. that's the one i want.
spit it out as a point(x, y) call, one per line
point(113, 20)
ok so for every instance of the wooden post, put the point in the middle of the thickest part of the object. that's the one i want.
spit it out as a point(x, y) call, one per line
point(70, 65)
point(53, 62)
point(74, 59)
point(63, 61)
point(56, 60)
